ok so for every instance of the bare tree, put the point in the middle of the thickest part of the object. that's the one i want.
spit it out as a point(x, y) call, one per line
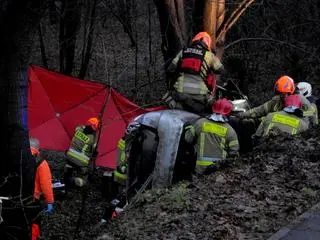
point(123, 10)
point(207, 15)
point(88, 38)
point(69, 26)
point(15, 45)
point(173, 26)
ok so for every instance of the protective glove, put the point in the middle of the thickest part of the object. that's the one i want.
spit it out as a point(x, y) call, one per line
point(239, 115)
point(49, 208)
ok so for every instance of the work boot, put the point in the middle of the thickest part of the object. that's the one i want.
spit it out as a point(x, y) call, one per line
point(67, 178)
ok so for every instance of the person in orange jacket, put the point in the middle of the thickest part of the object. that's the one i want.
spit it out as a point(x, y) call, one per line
point(42, 186)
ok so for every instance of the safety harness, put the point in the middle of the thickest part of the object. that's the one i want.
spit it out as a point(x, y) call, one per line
point(193, 62)
point(192, 59)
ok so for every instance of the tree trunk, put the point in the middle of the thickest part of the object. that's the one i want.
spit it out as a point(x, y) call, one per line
point(174, 32)
point(15, 48)
point(210, 19)
point(122, 10)
point(69, 25)
point(42, 48)
point(220, 20)
point(87, 46)
point(197, 7)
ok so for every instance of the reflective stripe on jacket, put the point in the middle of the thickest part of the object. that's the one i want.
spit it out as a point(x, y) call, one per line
point(215, 141)
point(311, 115)
point(196, 84)
point(43, 183)
point(121, 154)
point(283, 121)
point(82, 147)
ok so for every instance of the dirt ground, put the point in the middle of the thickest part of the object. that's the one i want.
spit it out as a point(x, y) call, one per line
point(250, 198)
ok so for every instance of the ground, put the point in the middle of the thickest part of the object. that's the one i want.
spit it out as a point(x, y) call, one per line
point(250, 198)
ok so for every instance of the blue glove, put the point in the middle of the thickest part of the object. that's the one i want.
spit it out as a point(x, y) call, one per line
point(49, 208)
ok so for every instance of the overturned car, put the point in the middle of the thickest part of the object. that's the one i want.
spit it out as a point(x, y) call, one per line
point(154, 152)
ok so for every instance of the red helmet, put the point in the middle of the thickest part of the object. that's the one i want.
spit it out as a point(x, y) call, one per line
point(222, 106)
point(292, 101)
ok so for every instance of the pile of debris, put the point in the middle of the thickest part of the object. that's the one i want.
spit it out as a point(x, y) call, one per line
point(250, 198)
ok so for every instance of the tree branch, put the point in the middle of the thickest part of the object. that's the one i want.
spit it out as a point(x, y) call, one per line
point(264, 39)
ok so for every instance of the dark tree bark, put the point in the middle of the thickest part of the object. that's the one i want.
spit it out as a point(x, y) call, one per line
point(122, 11)
point(53, 13)
point(197, 7)
point(88, 40)
point(69, 25)
point(15, 47)
point(173, 26)
point(16, 163)
point(42, 48)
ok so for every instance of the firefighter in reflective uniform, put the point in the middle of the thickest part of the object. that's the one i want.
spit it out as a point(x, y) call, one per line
point(305, 89)
point(194, 82)
point(289, 120)
point(120, 173)
point(81, 153)
point(215, 138)
point(283, 86)
point(117, 198)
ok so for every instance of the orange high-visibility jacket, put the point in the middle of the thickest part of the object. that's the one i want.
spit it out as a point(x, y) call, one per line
point(43, 183)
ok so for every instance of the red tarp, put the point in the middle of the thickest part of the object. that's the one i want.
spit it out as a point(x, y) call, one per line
point(58, 103)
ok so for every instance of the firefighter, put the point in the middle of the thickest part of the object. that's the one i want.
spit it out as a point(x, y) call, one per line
point(81, 153)
point(289, 119)
point(120, 173)
point(283, 86)
point(42, 187)
point(305, 89)
point(193, 69)
point(215, 138)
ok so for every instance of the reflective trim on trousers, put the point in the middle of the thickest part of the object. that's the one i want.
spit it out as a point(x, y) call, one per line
point(206, 161)
point(78, 156)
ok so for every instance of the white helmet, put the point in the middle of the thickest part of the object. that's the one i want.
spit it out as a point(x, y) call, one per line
point(305, 89)
point(34, 143)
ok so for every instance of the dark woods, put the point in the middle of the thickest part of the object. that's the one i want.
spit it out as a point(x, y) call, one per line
point(126, 43)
